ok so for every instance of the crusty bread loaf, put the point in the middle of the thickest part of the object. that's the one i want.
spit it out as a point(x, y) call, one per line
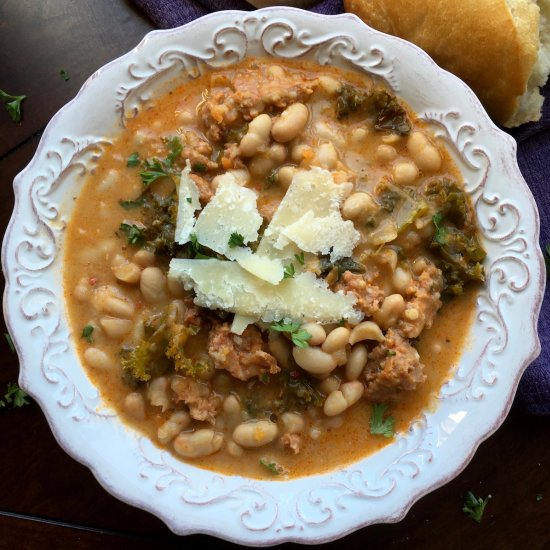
point(500, 48)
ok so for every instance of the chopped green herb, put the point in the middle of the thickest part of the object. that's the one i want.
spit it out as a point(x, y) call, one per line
point(539, 497)
point(441, 232)
point(130, 205)
point(391, 353)
point(134, 234)
point(175, 147)
point(133, 160)
point(300, 258)
point(298, 336)
point(12, 103)
point(474, 506)
point(264, 378)
point(10, 342)
point(272, 467)
point(87, 333)
point(189, 200)
point(199, 167)
point(289, 271)
point(64, 75)
point(14, 396)
point(236, 239)
point(154, 170)
point(380, 425)
point(272, 178)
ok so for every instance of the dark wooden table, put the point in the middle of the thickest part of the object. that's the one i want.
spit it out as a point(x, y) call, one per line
point(47, 500)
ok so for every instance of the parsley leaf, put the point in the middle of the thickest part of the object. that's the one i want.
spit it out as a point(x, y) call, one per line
point(189, 200)
point(154, 170)
point(196, 248)
point(134, 234)
point(298, 336)
point(272, 466)
point(538, 498)
point(300, 258)
point(199, 167)
point(87, 333)
point(12, 103)
point(474, 506)
point(289, 271)
point(176, 148)
point(236, 239)
point(130, 205)
point(380, 425)
point(64, 75)
point(10, 342)
point(133, 160)
point(15, 396)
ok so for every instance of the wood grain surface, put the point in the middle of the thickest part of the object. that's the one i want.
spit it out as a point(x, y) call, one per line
point(47, 500)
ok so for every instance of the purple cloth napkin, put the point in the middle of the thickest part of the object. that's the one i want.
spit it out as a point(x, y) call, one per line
point(533, 157)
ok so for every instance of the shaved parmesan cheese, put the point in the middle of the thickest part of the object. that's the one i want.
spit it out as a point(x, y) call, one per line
point(188, 204)
point(268, 269)
point(240, 322)
point(231, 210)
point(226, 285)
point(312, 198)
point(310, 234)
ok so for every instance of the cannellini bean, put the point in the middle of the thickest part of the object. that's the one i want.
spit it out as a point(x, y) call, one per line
point(317, 332)
point(144, 258)
point(388, 256)
point(290, 123)
point(390, 311)
point(419, 265)
point(385, 153)
point(405, 173)
point(327, 156)
point(177, 422)
point(176, 310)
point(336, 339)
point(134, 405)
point(114, 327)
point(293, 422)
point(330, 384)
point(196, 444)
point(98, 359)
point(175, 287)
point(118, 306)
point(233, 449)
point(255, 433)
point(335, 403)
point(158, 393)
point(367, 330)
point(125, 271)
point(257, 136)
point(233, 410)
point(299, 152)
point(359, 135)
point(340, 356)
point(401, 279)
point(359, 205)
point(285, 174)
point(329, 85)
point(277, 153)
point(83, 291)
point(356, 362)
point(424, 153)
point(314, 360)
point(279, 347)
point(260, 165)
point(153, 285)
point(185, 117)
point(352, 391)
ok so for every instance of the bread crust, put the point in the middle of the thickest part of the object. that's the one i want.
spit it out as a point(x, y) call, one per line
point(489, 45)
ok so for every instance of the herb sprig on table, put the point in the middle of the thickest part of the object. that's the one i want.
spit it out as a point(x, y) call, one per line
point(474, 506)
point(14, 396)
point(12, 103)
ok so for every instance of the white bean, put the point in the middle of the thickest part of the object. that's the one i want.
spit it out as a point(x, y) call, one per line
point(177, 422)
point(329, 85)
point(352, 391)
point(153, 285)
point(401, 279)
point(293, 422)
point(317, 332)
point(257, 136)
point(356, 362)
point(118, 307)
point(314, 360)
point(424, 153)
point(285, 175)
point(359, 136)
point(385, 153)
point(158, 393)
point(335, 403)
point(125, 271)
point(279, 347)
point(405, 172)
point(367, 330)
point(83, 290)
point(336, 340)
point(300, 151)
point(359, 205)
point(196, 444)
point(277, 153)
point(390, 311)
point(135, 405)
point(144, 258)
point(255, 433)
point(330, 384)
point(327, 156)
point(115, 328)
point(233, 449)
point(290, 123)
point(98, 359)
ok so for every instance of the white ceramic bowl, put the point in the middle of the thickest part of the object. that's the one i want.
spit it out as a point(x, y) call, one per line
point(379, 488)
